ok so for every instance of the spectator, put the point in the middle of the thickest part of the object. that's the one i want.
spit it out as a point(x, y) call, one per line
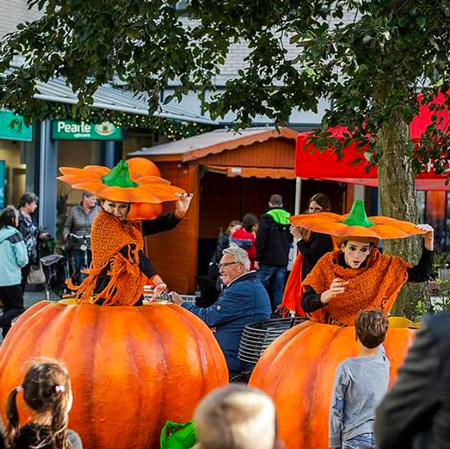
point(415, 413)
point(222, 242)
point(46, 391)
point(360, 384)
point(273, 241)
point(245, 238)
point(13, 256)
point(29, 229)
point(311, 247)
point(244, 301)
point(236, 417)
point(79, 222)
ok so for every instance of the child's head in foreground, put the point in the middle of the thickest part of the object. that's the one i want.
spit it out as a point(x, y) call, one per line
point(236, 417)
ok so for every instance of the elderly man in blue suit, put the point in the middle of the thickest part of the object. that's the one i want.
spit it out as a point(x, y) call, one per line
point(243, 301)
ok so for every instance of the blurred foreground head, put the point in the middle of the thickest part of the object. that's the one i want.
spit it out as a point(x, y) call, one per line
point(236, 417)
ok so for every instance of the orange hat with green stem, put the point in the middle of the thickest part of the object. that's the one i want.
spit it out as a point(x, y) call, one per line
point(122, 184)
point(356, 225)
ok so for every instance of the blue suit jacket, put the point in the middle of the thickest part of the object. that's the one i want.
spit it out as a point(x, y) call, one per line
point(243, 302)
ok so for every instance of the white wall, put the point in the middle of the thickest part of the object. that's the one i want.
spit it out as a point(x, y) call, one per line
point(13, 12)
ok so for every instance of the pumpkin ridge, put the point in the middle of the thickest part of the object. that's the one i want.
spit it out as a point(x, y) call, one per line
point(312, 380)
point(139, 366)
point(66, 315)
point(201, 357)
point(162, 365)
point(85, 309)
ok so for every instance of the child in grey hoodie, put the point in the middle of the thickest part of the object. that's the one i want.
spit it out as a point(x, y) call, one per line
point(13, 256)
point(360, 385)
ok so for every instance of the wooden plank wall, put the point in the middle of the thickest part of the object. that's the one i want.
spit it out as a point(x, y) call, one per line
point(174, 253)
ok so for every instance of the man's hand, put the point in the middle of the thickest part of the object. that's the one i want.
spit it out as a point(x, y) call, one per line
point(337, 287)
point(182, 204)
point(256, 265)
point(176, 298)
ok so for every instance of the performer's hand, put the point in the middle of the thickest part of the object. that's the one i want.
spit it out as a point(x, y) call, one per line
point(428, 237)
point(158, 289)
point(182, 204)
point(176, 298)
point(256, 265)
point(337, 287)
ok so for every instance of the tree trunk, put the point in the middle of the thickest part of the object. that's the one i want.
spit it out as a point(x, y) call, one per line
point(397, 196)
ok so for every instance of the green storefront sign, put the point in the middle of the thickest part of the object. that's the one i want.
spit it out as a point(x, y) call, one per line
point(67, 130)
point(12, 127)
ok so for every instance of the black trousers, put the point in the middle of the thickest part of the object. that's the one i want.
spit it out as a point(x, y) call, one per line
point(12, 299)
point(25, 273)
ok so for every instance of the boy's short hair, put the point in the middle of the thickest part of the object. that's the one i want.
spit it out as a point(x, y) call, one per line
point(236, 417)
point(371, 327)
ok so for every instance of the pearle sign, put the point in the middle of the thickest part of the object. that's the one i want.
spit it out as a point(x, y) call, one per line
point(68, 130)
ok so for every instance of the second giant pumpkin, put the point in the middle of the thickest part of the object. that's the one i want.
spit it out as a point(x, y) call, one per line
point(132, 368)
point(297, 371)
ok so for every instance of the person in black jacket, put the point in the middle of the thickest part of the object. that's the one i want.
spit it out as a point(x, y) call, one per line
point(273, 241)
point(313, 245)
point(415, 414)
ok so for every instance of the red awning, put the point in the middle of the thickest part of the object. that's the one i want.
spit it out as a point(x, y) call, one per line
point(311, 164)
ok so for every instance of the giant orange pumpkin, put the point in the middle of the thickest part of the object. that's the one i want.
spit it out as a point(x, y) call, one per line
point(297, 371)
point(132, 368)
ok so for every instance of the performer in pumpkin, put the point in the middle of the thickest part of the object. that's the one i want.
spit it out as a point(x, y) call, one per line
point(358, 276)
point(119, 268)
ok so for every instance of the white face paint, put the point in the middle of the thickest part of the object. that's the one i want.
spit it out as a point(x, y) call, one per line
point(119, 210)
point(355, 253)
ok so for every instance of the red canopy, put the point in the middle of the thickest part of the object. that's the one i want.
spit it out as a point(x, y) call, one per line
point(312, 164)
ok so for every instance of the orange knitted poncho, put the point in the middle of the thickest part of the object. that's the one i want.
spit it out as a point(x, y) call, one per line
point(126, 281)
point(374, 286)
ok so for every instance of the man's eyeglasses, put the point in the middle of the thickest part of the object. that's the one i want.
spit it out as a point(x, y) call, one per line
point(221, 265)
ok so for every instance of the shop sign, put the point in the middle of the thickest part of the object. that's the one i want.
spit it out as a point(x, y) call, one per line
point(2, 183)
point(68, 130)
point(12, 127)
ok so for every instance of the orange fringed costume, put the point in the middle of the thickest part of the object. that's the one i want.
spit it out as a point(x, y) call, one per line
point(374, 286)
point(126, 281)
point(292, 297)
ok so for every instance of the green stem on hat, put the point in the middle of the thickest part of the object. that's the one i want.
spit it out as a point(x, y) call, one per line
point(119, 176)
point(357, 216)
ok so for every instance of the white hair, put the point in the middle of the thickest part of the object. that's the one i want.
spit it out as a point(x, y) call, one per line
point(236, 417)
point(239, 255)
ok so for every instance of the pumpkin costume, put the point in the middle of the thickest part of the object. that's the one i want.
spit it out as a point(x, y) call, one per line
point(374, 286)
point(119, 268)
point(376, 283)
point(314, 244)
point(126, 280)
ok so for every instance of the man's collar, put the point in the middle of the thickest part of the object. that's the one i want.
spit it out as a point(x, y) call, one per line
point(242, 277)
